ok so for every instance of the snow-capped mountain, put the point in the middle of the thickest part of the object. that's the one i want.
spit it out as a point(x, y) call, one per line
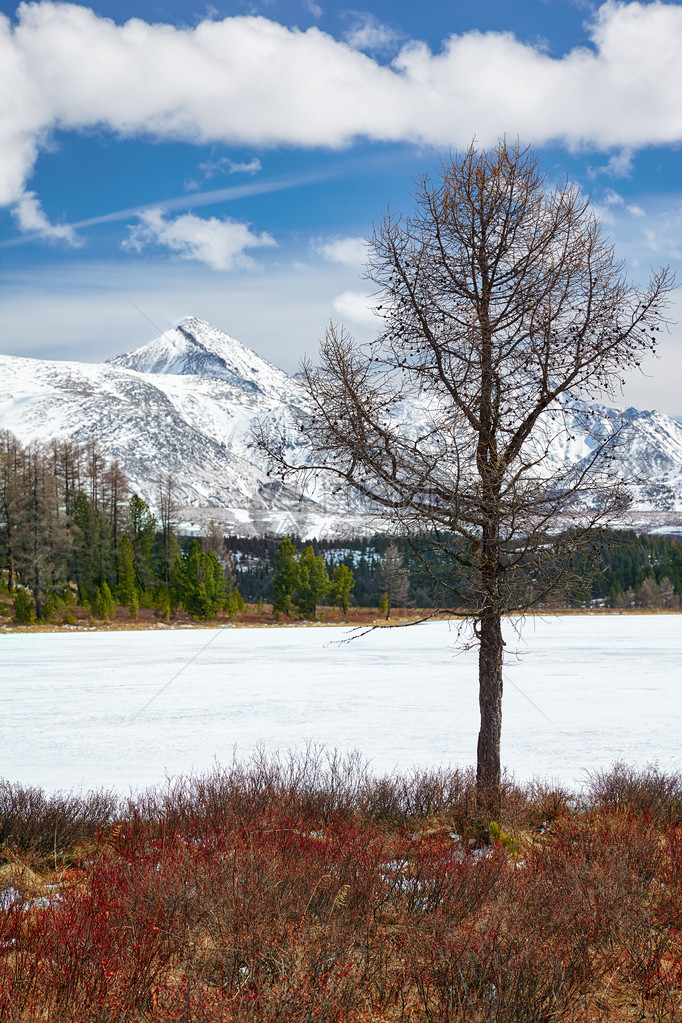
point(185, 403)
point(196, 349)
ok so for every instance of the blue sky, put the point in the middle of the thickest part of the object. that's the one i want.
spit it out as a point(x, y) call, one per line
point(226, 161)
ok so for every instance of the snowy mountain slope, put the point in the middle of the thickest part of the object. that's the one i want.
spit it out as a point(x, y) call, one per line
point(185, 403)
point(196, 348)
point(647, 445)
point(188, 410)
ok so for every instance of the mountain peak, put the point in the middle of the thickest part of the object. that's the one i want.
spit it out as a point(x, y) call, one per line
point(196, 348)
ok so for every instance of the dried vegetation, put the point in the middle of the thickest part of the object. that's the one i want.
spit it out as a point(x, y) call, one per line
point(302, 888)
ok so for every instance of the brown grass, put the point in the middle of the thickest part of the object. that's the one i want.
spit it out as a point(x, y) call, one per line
point(302, 888)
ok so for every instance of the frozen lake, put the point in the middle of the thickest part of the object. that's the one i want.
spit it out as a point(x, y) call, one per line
point(585, 692)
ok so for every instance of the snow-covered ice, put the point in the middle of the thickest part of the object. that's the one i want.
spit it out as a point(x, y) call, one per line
point(586, 692)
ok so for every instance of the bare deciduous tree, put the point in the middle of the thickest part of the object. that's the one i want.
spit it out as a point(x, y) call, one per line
point(501, 302)
point(395, 578)
point(167, 508)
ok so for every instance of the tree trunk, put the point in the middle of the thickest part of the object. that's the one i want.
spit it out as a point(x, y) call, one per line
point(38, 592)
point(488, 766)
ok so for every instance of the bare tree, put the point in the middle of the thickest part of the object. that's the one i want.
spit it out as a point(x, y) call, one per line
point(214, 540)
point(501, 303)
point(13, 500)
point(167, 507)
point(41, 536)
point(395, 578)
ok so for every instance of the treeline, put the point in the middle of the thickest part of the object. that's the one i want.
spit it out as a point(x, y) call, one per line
point(254, 563)
point(72, 531)
point(632, 570)
point(619, 569)
point(301, 581)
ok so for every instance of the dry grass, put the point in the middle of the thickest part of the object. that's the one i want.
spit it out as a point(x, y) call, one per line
point(253, 618)
point(300, 888)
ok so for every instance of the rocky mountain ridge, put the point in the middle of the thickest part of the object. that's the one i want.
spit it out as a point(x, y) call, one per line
point(185, 404)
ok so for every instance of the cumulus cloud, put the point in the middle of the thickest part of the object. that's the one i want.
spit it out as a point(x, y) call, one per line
point(219, 243)
point(252, 81)
point(30, 218)
point(348, 251)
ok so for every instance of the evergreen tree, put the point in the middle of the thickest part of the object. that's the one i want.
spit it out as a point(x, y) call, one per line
point(103, 603)
point(92, 557)
point(126, 591)
point(313, 582)
point(199, 582)
point(342, 587)
point(284, 577)
point(85, 541)
point(234, 603)
point(162, 603)
point(142, 537)
point(23, 606)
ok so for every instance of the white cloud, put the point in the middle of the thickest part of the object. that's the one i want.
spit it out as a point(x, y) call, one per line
point(619, 165)
point(348, 251)
point(31, 219)
point(612, 198)
point(219, 166)
point(636, 210)
point(368, 33)
point(314, 8)
point(219, 243)
point(357, 307)
point(222, 165)
point(252, 81)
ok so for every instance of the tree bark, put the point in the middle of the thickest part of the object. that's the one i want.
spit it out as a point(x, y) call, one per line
point(488, 766)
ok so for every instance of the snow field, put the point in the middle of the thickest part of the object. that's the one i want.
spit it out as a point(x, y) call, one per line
point(585, 691)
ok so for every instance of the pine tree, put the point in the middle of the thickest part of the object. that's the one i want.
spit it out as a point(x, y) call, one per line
point(234, 603)
point(126, 591)
point(103, 603)
point(92, 555)
point(342, 587)
point(284, 577)
point(142, 537)
point(23, 606)
point(198, 579)
point(313, 582)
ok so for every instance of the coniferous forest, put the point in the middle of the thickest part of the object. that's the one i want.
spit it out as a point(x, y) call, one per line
point(73, 532)
point(620, 569)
